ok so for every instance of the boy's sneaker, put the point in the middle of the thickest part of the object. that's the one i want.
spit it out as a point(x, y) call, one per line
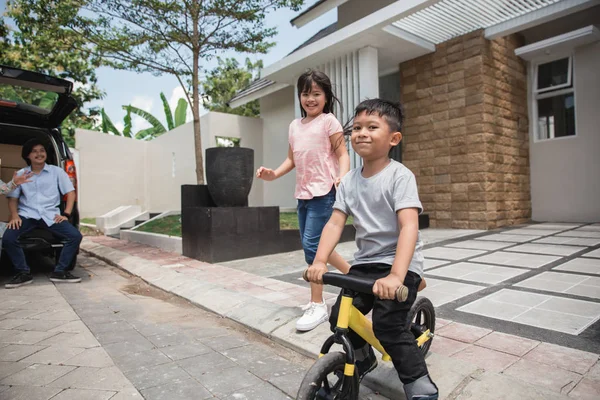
point(20, 279)
point(64, 277)
point(314, 315)
point(367, 365)
point(421, 389)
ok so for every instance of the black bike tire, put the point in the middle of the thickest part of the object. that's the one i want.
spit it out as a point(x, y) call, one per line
point(325, 365)
point(423, 303)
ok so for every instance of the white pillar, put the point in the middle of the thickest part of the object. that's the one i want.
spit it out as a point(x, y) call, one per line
point(297, 112)
point(368, 73)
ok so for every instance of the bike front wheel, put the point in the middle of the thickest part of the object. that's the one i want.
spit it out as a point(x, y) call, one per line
point(325, 380)
point(421, 318)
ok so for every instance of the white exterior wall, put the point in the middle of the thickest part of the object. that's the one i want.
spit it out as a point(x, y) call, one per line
point(565, 172)
point(277, 111)
point(115, 171)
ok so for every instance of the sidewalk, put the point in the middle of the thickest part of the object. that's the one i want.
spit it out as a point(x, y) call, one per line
point(466, 361)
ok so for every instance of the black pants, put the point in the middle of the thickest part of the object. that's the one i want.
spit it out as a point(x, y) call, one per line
point(389, 322)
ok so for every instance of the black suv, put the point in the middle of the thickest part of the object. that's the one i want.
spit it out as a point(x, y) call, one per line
point(33, 105)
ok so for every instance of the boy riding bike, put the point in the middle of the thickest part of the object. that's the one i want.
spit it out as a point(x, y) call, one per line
point(383, 199)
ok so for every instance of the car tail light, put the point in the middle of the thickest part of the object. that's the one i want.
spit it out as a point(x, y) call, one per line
point(72, 172)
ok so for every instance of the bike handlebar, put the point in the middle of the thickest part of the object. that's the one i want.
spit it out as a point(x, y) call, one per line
point(357, 284)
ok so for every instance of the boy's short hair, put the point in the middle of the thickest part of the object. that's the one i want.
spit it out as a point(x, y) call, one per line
point(28, 148)
point(391, 111)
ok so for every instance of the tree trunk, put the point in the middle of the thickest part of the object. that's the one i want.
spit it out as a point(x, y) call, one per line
point(196, 100)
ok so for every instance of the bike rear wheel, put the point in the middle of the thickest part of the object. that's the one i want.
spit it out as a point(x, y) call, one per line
point(422, 318)
point(323, 381)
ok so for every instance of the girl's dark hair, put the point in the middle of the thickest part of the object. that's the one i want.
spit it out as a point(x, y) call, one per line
point(28, 148)
point(305, 83)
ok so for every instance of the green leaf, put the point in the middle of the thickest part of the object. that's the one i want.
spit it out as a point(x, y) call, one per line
point(159, 127)
point(47, 102)
point(181, 112)
point(127, 120)
point(107, 125)
point(168, 113)
point(144, 134)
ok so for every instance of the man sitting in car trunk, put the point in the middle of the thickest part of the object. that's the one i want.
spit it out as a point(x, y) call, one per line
point(36, 204)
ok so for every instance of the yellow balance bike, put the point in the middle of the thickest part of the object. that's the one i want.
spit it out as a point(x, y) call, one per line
point(333, 376)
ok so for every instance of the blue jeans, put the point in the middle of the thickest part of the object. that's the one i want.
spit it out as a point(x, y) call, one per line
point(64, 230)
point(313, 214)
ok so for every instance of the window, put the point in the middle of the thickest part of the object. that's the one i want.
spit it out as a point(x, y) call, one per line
point(554, 99)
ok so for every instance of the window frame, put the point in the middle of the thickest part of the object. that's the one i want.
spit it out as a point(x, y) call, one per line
point(551, 92)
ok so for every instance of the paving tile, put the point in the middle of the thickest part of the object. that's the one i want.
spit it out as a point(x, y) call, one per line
point(571, 306)
point(474, 272)
point(10, 323)
point(261, 391)
point(16, 352)
point(594, 372)
point(594, 254)
point(8, 368)
point(109, 378)
point(184, 351)
point(127, 394)
point(446, 346)
point(534, 373)
point(116, 336)
point(516, 259)
point(583, 265)
point(566, 240)
point(507, 237)
point(170, 339)
point(531, 231)
point(37, 375)
point(225, 382)
point(448, 253)
point(225, 342)
point(462, 332)
point(147, 377)
point(81, 394)
point(58, 315)
point(68, 339)
point(586, 389)
point(95, 357)
point(510, 344)
point(480, 245)
point(555, 225)
point(441, 292)
point(39, 325)
point(290, 383)
point(29, 393)
point(582, 234)
point(561, 322)
point(146, 358)
point(27, 337)
point(53, 355)
point(184, 390)
point(490, 360)
point(489, 308)
point(551, 249)
point(432, 263)
point(200, 365)
point(563, 357)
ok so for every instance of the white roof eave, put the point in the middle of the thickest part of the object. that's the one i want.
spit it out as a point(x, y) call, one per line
point(345, 39)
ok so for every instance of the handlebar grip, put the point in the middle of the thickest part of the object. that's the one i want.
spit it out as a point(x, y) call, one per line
point(401, 292)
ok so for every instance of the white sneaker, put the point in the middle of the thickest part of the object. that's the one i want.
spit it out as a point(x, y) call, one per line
point(314, 315)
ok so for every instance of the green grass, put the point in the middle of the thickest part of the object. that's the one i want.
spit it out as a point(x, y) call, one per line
point(289, 220)
point(171, 225)
point(91, 221)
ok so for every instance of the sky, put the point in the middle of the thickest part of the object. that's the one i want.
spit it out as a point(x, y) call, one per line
point(143, 90)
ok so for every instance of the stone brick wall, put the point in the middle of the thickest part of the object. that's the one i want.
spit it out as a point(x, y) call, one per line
point(466, 132)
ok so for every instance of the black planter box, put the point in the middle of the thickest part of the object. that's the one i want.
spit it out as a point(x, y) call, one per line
point(217, 234)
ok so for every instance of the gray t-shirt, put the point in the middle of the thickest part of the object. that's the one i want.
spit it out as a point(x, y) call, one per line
point(373, 203)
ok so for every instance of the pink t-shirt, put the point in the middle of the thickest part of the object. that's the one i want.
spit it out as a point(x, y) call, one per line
point(317, 165)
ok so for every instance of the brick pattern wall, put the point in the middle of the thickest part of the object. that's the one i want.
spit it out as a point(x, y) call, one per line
point(466, 132)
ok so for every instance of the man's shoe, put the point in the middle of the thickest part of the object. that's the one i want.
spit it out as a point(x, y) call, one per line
point(64, 277)
point(20, 279)
point(367, 365)
point(314, 315)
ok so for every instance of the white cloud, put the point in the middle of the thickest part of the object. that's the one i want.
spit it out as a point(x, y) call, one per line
point(120, 126)
point(144, 103)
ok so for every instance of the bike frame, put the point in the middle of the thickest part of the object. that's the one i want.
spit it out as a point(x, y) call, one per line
point(350, 317)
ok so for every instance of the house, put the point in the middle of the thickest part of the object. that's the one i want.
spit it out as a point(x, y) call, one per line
point(501, 99)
